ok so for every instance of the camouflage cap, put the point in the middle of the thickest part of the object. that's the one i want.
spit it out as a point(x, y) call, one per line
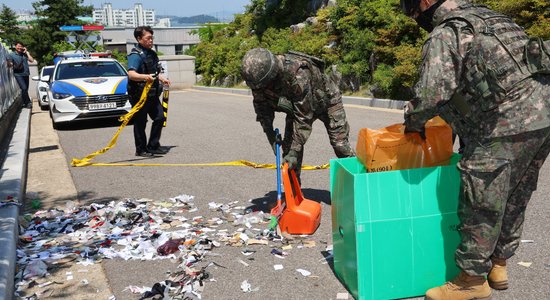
point(259, 67)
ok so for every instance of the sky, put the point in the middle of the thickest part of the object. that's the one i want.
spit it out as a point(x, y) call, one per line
point(180, 8)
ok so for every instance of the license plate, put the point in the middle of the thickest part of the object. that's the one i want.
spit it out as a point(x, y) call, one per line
point(94, 106)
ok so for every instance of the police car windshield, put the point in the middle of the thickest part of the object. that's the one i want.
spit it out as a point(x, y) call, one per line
point(47, 71)
point(84, 69)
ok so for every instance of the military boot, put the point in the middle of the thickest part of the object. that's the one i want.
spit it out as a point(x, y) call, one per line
point(463, 287)
point(498, 278)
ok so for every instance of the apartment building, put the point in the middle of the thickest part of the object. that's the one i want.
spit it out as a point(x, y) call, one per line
point(137, 16)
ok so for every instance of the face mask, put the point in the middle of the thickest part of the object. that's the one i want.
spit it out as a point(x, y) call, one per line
point(425, 18)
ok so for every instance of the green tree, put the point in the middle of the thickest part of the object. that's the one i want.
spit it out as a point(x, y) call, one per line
point(52, 14)
point(533, 15)
point(9, 32)
point(379, 47)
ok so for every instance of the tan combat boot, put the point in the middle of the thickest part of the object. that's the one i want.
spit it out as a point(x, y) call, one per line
point(463, 287)
point(498, 278)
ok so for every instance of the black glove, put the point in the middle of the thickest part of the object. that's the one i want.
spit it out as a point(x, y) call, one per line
point(291, 159)
point(421, 131)
point(412, 125)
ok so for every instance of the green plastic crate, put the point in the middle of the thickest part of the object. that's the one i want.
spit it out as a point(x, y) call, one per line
point(394, 233)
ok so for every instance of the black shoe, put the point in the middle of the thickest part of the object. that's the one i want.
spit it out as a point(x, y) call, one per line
point(144, 154)
point(159, 150)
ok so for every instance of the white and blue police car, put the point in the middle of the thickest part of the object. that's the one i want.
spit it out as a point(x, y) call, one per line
point(87, 86)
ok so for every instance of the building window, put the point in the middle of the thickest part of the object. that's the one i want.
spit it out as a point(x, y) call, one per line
point(179, 49)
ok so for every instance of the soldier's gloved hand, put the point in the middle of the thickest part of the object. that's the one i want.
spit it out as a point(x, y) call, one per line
point(274, 140)
point(411, 126)
point(420, 131)
point(291, 159)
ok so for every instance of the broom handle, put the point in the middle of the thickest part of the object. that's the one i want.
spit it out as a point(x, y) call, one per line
point(278, 162)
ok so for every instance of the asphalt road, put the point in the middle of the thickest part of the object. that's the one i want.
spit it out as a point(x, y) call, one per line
point(214, 127)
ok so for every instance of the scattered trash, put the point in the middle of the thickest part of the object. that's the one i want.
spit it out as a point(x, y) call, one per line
point(35, 269)
point(246, 287)
point(309, 244)
point(243, 262)
point(342, 296)
point(147, 229)
point(10, 200)
point(36, 204)
point(170, 247)
point(136, 289)
point(526, 264)
point(527, 241)
point(278, 253)
point(248, 252)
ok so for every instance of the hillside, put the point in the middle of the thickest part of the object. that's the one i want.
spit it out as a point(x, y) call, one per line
point(371, 43)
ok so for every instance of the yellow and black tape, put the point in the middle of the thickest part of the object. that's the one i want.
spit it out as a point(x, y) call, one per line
point(86, 161)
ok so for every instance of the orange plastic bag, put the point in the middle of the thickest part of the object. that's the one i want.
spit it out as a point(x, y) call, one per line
point(389, 148)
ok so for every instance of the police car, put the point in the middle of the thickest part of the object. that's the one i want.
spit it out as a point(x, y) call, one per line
point(43, 85)
point(87, 86)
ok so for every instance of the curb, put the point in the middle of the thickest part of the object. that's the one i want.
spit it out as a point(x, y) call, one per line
point(13, 175)
point(372, 102)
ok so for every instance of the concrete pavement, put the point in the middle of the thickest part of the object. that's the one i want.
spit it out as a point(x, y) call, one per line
point(49, 181)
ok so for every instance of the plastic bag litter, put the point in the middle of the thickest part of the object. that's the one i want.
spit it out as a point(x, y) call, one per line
point(35, 269)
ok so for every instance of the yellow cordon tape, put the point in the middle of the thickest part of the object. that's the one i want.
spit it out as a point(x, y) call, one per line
point(84, 162)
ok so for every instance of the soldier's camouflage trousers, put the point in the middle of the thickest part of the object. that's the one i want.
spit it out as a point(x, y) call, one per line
point(498, 177)
point(337, 128)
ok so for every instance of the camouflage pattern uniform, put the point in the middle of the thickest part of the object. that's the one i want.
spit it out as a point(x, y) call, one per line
point(304, 94)
point(503, 113)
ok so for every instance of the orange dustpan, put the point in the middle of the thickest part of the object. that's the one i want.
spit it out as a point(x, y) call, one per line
point(301, 215)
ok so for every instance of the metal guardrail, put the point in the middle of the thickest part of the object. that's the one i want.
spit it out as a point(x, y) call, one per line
point(9, 90)
point(10, 94)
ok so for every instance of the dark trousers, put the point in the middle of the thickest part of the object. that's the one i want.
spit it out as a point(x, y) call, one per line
point(153, 108)
point(23, 82)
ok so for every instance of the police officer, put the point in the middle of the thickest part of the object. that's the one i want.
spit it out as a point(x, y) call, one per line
point(143, 63)
point(294, 84)
point(474, 75)
point(20, 61)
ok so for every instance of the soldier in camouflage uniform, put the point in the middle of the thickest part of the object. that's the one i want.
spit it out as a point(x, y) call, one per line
point(477, 76)
point(294, 84)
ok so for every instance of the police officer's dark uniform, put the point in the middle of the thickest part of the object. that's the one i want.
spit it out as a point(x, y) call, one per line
point(145, 61)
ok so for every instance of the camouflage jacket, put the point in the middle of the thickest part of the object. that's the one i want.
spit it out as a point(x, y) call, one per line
point(303, 92)
point(522, 107)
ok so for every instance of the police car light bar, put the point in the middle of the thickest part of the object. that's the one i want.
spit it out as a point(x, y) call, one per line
point(81, 28)
point(66, 56)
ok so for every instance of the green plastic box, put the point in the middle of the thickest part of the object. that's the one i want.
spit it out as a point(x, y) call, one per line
point(394, 233)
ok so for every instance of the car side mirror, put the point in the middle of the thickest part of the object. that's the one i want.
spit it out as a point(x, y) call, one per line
point(45, 78)
point(35, 78)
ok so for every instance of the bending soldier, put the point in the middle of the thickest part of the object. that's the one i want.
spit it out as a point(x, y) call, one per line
point(294, 84)
point(475, 76)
